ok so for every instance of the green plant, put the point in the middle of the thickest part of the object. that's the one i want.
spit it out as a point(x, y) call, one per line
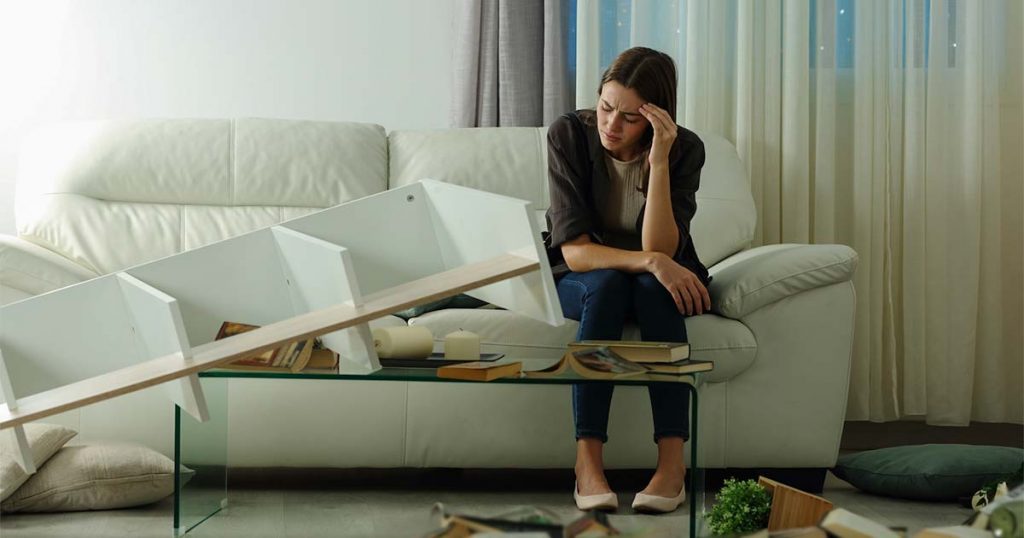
point(741, 506)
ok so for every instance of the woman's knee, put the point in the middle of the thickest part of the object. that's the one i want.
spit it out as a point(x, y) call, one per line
point(648, 288)
point(609, 286)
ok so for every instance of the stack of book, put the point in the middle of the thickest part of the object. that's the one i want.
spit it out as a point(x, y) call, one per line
point(290, 357)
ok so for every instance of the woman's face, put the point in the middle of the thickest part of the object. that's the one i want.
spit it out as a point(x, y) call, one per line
point(619, 121)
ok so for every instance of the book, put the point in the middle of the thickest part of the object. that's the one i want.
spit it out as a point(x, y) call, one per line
point(637, 351)
point(685, 366)
point(462, 526)
point(956, 531)
point(289, 357)
point(322, 359)
point(592, 363)
point(593, 524)
point(435, 360)
point(845, 524)
point(479, 371)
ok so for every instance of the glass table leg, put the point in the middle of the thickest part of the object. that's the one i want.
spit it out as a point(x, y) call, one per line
point(200, 457)
point(696, 472)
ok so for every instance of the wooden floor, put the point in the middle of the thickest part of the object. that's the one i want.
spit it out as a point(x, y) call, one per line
point(369, 511)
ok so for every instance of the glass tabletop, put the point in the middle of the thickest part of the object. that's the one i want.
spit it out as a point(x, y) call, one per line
point(568, 377)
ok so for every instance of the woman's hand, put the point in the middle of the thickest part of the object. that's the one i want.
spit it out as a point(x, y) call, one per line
point(664, 133)
point(688, 292)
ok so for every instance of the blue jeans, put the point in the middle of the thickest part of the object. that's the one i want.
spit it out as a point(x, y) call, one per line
point(602, 301)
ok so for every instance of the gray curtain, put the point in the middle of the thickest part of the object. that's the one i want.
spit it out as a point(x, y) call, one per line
point(511, 63)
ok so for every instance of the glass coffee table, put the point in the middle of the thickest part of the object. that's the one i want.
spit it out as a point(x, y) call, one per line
point(202, 447)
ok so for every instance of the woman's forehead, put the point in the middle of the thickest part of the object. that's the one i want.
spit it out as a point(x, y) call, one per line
point(621, 97)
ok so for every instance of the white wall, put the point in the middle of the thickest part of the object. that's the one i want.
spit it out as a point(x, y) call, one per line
point(378, 61)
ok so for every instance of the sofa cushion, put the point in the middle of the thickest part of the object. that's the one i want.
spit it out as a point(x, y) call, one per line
point(929, 472)
point(157, 187)
point(726, 216)
point(504, 160)
point(97, 477)
point(82, 228)
point(727, 342)
point(32, 269)
point(455, 301)
point(207, 161)
point(307, 163)
point(760, 276)
point(44, 440)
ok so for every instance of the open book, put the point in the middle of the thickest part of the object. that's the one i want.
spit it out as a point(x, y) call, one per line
point(603, 362)
point(592, 363)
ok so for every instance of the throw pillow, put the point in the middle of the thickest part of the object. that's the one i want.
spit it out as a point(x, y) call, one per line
point(96, 477)
point(928, 472)
point(456, 301)
point(44, 440)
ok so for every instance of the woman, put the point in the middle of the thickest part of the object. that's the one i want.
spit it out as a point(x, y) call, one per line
point(623, 180)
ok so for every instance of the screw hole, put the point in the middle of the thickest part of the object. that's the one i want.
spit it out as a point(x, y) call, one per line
point(410, 198)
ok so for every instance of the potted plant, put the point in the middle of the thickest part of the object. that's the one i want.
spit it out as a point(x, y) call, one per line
point(740, 507)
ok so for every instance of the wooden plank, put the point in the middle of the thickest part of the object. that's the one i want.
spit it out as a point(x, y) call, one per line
point(213, 354)
point(793, 508)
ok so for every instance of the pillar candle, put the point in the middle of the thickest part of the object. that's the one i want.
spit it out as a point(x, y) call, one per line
point(461, 345)
point(403, 342)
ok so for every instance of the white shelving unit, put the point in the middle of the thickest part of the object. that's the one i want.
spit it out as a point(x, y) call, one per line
point(326, 274)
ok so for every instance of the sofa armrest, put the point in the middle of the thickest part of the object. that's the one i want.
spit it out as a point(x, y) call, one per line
point(760, 276)
point(31, 269)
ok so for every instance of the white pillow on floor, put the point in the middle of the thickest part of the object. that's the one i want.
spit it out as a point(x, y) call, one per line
point(44, 440)
point(95, 477)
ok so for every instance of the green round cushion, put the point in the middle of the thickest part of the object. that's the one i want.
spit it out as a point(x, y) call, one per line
point(929, 472)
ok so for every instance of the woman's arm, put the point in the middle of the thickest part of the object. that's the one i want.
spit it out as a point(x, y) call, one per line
point(689, 294)
point(659, 232)
point(582, 255)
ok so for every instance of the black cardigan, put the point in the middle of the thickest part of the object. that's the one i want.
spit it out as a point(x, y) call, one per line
point(579, 182)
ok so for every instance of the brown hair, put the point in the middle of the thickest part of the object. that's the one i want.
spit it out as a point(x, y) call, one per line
point(652, 75)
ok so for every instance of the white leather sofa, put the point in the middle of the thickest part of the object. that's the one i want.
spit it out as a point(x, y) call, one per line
point(93, 198)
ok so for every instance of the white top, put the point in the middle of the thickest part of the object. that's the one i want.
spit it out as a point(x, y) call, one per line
point(625, 197)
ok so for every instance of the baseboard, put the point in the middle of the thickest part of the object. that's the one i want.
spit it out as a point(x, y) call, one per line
point(811, 480)
point(862, 435)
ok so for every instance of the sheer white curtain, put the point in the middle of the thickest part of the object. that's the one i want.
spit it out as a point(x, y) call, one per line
point(895, 127)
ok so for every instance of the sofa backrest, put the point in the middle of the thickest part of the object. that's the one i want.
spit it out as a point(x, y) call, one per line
point(113, 194)
point(513, 161)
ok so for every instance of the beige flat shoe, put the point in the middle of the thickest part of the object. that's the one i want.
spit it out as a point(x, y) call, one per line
point(602, 501)
point(653, 504)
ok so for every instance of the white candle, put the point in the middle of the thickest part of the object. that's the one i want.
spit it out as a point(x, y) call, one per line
point(462, 345)
point(403, 342)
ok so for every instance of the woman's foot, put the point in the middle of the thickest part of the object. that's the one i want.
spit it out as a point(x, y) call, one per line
point(663, 494)
point(590, 481)
point(592, 490)
point(666, 490)
point(666, 483)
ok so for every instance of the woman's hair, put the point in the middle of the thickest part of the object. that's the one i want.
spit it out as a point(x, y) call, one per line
point(651, 74)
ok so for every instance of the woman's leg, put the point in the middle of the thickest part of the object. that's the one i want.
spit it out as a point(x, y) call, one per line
point(660, 320)
point(599, 300)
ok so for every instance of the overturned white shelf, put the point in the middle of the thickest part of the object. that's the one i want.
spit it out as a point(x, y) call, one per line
point(328, 274)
